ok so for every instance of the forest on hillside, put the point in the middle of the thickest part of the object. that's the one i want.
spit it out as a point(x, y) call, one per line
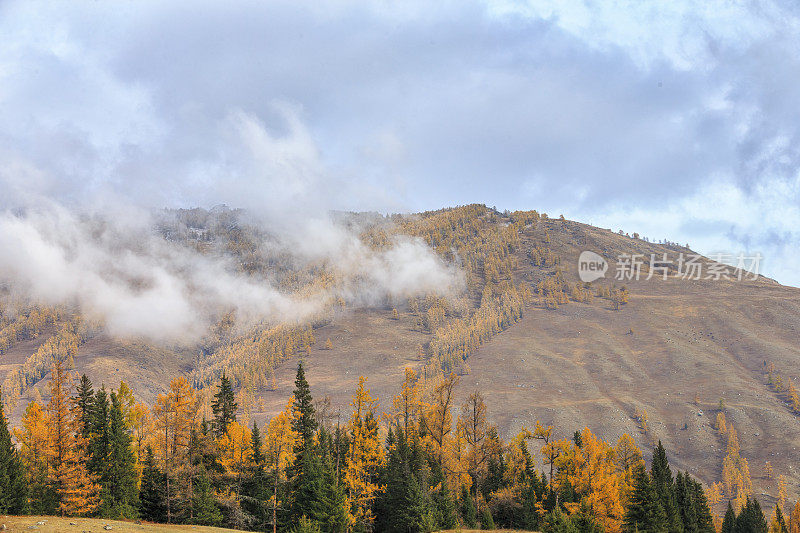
point(416, 468)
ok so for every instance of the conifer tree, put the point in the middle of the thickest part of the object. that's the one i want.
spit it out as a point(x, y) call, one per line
point(645, 513)
point(486, 519)
point(85, 401)
point(99, 443)
point(469, 515)
point(664, 486)
point(224, 407)
point(13, 488)
point(404, 506)
point(152, 505)
point(558, 522)
point(256, 486)
point(751, 518)
point(305, 474)
point(119, 496)
point(778, 523)
point(729, 522)
point(205, 510)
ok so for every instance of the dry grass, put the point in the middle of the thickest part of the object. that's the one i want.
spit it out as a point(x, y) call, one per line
point(85, 525)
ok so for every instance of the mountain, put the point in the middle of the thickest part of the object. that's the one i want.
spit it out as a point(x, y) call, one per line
point(656, 358)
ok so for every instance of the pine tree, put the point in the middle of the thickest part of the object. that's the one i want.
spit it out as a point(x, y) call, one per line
point(685, 500)
point(152, 505)
point(645, 513)
point(705, 522)
point(729, 522)
point(99, 443)
point(469, 515)
point(85, 401)
point(119, 496)
point(751, 519)
point(256, 486)
point(558, 522)
point(486, 519)
point(205, 510)
point(404, 506)
point(778, 523)
point(305, 474)
point(663, 483)
point(13, 486)
point(224, 407)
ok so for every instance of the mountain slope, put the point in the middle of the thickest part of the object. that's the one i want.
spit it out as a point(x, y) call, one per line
point(674, 350)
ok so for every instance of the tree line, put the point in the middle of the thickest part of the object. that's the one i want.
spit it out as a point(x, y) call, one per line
point(100, 453)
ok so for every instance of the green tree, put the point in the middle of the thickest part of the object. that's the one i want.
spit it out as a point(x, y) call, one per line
point(85, 402)
point(729, 522)
point(119, 497)
point(306, 473)
point(469, 515)
point(99, 436)
point(558, 522)
point(205, 510)
point(486, 519)
point(256, 487)
point(224, 407)
point(645, 513)
point(404, 506)
point(13, 488)
point(751, 519)
point(664, 486)
point(152, 503)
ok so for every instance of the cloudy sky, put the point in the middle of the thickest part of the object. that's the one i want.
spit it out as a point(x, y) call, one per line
point(673, 119)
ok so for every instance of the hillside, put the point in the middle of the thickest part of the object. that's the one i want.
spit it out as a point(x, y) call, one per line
point(675, 350)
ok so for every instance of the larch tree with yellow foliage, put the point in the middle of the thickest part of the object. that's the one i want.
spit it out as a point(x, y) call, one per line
point(365, 456)
point(33, 439)
point(76, 490)
point(280, 443)
point(174, 416)
point(594, 478)
point(406, 404)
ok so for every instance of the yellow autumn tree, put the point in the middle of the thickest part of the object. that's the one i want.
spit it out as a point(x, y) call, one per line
point(438, 420)
point(33, 439)
point(234, 450)
point(280, 442)
point(76, 489)
point(474, 430)
point(714, 494)
point(365, 456)
point(406, 404)
point(595, 480)
point(722, 426)
point(174, 416)
point(549, 453)
point(794, 519)
point(628, 457)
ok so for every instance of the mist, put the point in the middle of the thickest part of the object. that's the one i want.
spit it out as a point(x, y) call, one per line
point(100, 251)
